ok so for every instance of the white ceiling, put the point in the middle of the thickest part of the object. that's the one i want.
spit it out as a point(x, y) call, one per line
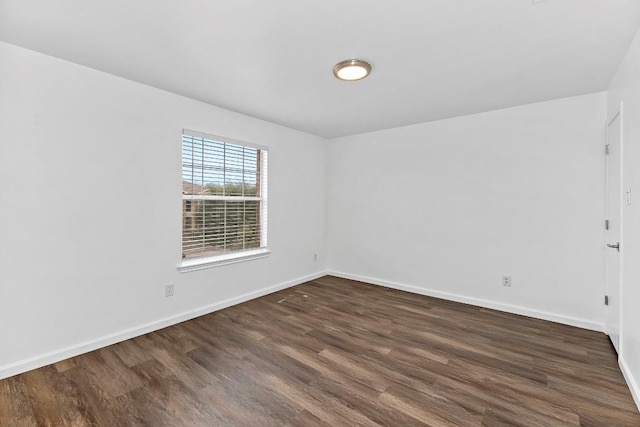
point(431, 59)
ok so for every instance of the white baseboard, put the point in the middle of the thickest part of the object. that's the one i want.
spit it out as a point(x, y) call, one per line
point(509, 308)
point(103, 341)
point(631, 381)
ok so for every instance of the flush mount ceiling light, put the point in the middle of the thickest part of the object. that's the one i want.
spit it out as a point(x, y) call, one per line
point(352, 69)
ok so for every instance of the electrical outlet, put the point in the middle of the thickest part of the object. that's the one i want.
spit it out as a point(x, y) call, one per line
point(168, 290)
point(506, 281)
point(315, 257)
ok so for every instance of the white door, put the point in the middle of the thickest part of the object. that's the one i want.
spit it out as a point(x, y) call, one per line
point(613, 257)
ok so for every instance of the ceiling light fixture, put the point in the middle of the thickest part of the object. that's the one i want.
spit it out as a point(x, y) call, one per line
point(352, 69)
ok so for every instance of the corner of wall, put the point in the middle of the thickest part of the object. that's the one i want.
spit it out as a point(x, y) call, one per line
point(633, 385)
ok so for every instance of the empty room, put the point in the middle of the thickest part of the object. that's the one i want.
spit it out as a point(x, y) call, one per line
point(319, 213)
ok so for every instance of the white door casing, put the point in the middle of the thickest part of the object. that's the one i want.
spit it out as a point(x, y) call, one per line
point(613, 232)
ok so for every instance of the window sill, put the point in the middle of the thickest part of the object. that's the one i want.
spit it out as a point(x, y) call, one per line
point(217, 261)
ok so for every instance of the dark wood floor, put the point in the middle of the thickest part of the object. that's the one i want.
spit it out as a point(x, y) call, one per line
point(337, 353)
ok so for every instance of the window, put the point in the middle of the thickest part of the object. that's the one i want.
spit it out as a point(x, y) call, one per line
point(224, 208)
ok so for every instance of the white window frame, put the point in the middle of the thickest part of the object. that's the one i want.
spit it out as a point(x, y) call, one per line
point(200, 263)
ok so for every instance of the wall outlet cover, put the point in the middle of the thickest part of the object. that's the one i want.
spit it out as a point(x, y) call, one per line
point(168, 290)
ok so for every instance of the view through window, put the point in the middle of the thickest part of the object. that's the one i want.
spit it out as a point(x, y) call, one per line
point(223, 196)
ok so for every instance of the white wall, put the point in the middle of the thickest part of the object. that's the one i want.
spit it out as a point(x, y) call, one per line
point(90, 196)
point(447, 208)
point(625, 87)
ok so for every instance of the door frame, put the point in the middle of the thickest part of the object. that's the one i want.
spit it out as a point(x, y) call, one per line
point(619, 114)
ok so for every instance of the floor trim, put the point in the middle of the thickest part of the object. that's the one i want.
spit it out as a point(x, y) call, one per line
point(509, 308)
point(631, 381)
point(54, 356)
point(103, 341)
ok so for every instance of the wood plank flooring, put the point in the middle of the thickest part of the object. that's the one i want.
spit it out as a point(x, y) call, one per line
point(334, 352)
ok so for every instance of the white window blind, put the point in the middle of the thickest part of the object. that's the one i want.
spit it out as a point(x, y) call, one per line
point(224, 188)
